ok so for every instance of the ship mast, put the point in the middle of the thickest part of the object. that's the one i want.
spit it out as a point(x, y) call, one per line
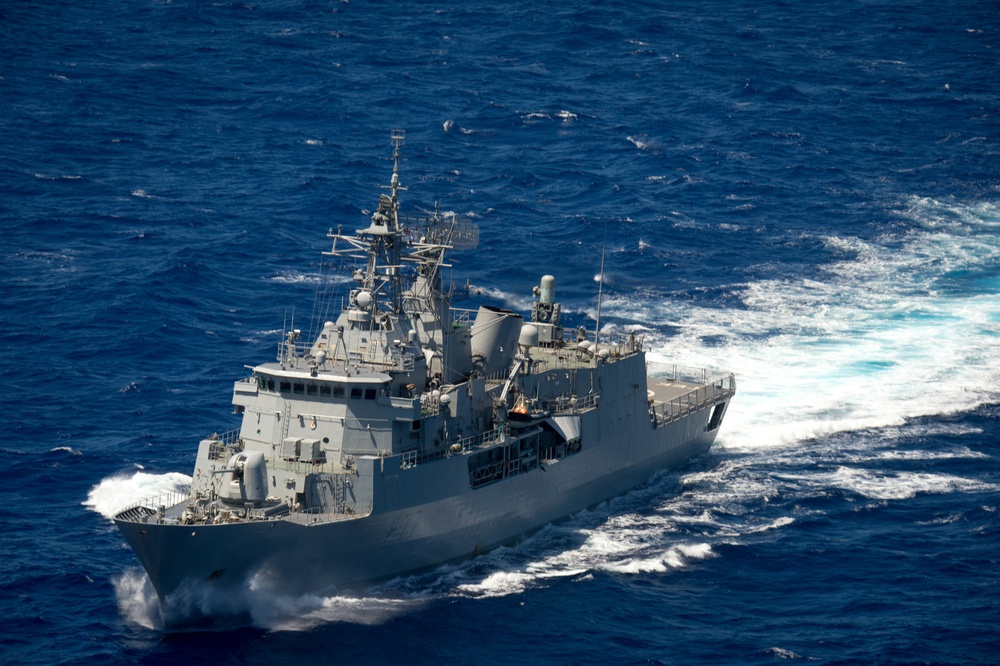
point(398, 271)
point(393, 250)
point(380, 247)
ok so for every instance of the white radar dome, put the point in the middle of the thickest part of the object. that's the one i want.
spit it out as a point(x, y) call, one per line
point(528, 336)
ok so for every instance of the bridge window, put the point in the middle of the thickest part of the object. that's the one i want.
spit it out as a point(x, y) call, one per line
point(370, 394)
point(298, 388)
point(355, 392)
point(324, 391)
point(338, 391)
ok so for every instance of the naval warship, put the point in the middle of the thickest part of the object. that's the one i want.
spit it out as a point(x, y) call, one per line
point(408, 433)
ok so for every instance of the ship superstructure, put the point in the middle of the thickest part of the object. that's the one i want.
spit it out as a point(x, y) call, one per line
point(408, 433)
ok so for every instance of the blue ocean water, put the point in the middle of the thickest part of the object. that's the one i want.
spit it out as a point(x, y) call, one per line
point(806, 195)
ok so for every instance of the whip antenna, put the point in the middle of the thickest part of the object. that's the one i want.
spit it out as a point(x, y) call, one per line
point(600, 292)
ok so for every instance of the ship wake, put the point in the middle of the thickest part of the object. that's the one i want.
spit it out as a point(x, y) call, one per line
point(678, 521)
point(207, 607)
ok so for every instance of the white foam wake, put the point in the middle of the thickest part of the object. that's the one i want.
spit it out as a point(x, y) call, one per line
point(658, 529)
point(896, 485)
point(258, 604)
point(902, 327)
point(116, 492)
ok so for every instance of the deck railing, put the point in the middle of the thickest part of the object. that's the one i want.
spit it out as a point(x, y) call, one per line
point(571, 404)
point(225, 445)
point(707, 395)
point(467, 444)
point(151, 506)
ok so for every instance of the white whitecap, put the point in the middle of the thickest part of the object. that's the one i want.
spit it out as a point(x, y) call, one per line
point(899, 485)
point(514, 301)
point(640, 142)
point(676, 557)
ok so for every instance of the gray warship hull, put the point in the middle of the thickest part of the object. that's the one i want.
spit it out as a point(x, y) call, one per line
point(408, 434)
point(426, 514)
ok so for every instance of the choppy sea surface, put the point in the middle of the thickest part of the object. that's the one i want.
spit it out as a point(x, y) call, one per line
point(806, 194)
